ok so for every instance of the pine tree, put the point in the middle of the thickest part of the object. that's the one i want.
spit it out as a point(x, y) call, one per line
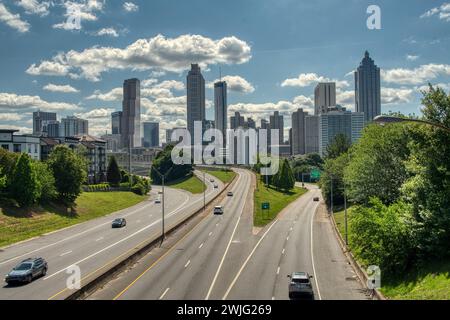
point(287, 180)
point(24, 183)
point(113, 173)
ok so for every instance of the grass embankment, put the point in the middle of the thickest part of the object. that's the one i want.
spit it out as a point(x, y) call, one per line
point(18, 224)
point(222, 175)
point(278, 201)
point(429, 282)
point(191, 184)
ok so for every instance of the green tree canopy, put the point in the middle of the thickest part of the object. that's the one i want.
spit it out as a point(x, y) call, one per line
point(24, 183)
point(113, 174)
point(163, 163)
point(69, 170)
point(339, 145)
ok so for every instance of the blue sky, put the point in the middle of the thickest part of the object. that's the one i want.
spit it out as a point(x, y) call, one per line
point(272, 53)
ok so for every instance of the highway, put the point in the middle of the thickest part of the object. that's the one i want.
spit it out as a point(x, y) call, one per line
point(94, 245)
point(224, 257)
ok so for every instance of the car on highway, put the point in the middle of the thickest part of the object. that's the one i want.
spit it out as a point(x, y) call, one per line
point(158, 200)
point(27, 271)
point(230, 194)
point(218, 210)
point(119, 223)
point(216, 186)
point(212, 180)
point(316, 199)
point(300, 286)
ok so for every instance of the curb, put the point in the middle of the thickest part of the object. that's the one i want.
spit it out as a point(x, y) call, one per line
point(362, 275)
point(139, 251)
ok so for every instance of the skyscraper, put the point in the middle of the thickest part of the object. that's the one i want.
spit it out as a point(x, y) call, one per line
point(221, 107)
point(116, 122)
point(311, 134)
point(237, 121)
point(277, 123)
point(324, 97)
point(298, 132)
point(73, 126)
point(195, 98)
point(339, 121)
point(41, 120)
point(131, 114)
point(368, 88)
point(151, 134)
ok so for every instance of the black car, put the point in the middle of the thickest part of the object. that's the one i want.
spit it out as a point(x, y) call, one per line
point(119, 223)
point(316, 199)
point(27, 271)
point(300, 286)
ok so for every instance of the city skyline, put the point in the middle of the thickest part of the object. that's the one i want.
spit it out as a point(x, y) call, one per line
point(55, 82)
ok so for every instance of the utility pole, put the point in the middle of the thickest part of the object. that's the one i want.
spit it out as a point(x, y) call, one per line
point(345, 214)
point(129, 162)
point(331, 203)
point(163, 179)
point(204, 191)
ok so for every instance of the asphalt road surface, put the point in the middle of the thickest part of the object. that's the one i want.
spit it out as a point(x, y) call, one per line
point(224, 257)
point(94, 245)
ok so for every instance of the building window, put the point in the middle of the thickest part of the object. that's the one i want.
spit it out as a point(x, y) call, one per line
point(17, 148)
point(5, 146)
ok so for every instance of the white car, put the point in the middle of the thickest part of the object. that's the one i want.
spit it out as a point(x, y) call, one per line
point(158, 200)
point(218, 210)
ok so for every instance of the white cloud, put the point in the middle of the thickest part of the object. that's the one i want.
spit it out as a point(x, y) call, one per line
point(415, 76)
point(171, 85)
point(107, 32)
point(13, 20)
point(170, 54)
point(40, 8)
point(84, 11)
point(308, 79)
point(443, 12)
point(236, 84)
point(60, 88)
point(10, 117)
point(99, 120)
point(115, 94)
point(12, 101)
point(130, 7)
point(48, 68)
point(411, 57)
point(443, 86)
point(396, 96)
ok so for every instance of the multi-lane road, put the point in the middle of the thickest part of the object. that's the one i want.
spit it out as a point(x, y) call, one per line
point(224, 257)
point(94, 246)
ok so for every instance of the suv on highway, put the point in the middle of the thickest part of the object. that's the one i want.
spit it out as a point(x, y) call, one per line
point(119, 223)
point(300, 286)
point(27, 271)
point(218, 210)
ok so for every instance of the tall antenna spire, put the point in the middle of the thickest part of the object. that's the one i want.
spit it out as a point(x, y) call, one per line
point(220, 72)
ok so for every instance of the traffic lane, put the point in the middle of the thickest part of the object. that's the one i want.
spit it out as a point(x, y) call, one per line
point(84, 256)
point(154, 282)
point(85, 252)
point(283, 246)
point(337, 279)
point(200, 277)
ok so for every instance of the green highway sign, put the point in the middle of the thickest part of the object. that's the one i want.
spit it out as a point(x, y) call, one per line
point(266, 206)
point(315, 174)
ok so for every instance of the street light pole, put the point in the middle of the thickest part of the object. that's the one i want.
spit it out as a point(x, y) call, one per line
point(204, 191)
point(390, 119)
point(345, 217)
point(163, 180)
point(331, 202)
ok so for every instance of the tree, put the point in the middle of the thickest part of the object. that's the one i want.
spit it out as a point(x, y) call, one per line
point(428, 186)
point(339, 145)
point(332, 179)
point(46, 181)
point(377, 167)
point(113, 174)
point(163, 163)
point(69, 170)
point(285, 180)
point(24, 184)
point(7, 162)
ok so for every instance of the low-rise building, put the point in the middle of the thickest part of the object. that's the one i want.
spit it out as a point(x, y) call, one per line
point(20, 143)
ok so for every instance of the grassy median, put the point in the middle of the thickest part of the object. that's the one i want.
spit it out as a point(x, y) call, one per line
point(21, 224)
point(430, 281)
point(191, 184)
point(222, 175)
point(278, 201)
